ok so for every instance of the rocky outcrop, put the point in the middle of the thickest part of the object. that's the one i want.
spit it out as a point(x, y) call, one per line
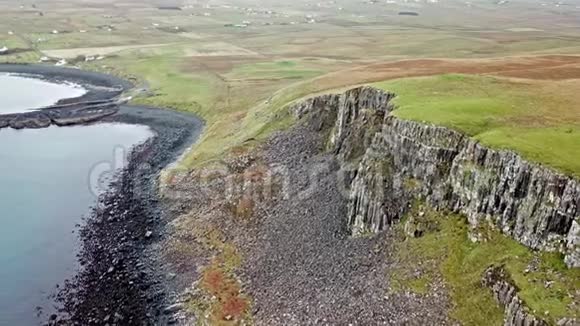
point(393, 162)
point(102, 98)
point(30, 120)
point(506, 293)
point(80, 113)
point(516, 313)
point(85, 115)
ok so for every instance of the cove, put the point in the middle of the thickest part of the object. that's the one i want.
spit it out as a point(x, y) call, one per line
point(20, 93)
point(47, 186)
point(47, 190)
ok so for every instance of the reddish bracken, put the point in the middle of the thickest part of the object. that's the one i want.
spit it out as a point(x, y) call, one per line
point(230, 304)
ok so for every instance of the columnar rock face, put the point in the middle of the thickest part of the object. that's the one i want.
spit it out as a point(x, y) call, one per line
point(506, 293)
point(396, 161)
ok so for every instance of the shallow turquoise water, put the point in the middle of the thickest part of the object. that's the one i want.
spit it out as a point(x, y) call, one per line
point(47, 184)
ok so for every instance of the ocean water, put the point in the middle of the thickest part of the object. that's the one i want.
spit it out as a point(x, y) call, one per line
point(49, 179)
point(19, 94)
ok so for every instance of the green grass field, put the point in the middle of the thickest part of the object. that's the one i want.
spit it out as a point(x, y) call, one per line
point(274, 70)
point(236, 113)
point(500, 113)
point(447, 252)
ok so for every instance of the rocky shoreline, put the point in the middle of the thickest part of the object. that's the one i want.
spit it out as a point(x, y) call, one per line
point(120, 281)
point(102, 98)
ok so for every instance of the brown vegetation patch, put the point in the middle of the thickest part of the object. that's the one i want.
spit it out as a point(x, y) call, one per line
point(218, 64)
point(497, 66)
point(549, 67)
point(551, 73)
point(256, 173)
point(229, 306)
point(249, 186)
point(227, 203)
point(221, 300)
point(244, 208)
point(305, 40)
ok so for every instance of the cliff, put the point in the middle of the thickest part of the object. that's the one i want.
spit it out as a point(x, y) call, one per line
point(391, 162)
point(506, 293)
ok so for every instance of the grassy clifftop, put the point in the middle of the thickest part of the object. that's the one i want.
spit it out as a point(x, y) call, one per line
point(538, 119)
point(545, 284)
point(241, 104)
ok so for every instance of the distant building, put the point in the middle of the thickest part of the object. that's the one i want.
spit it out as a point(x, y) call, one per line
point(408, 13)
point(169, 8)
